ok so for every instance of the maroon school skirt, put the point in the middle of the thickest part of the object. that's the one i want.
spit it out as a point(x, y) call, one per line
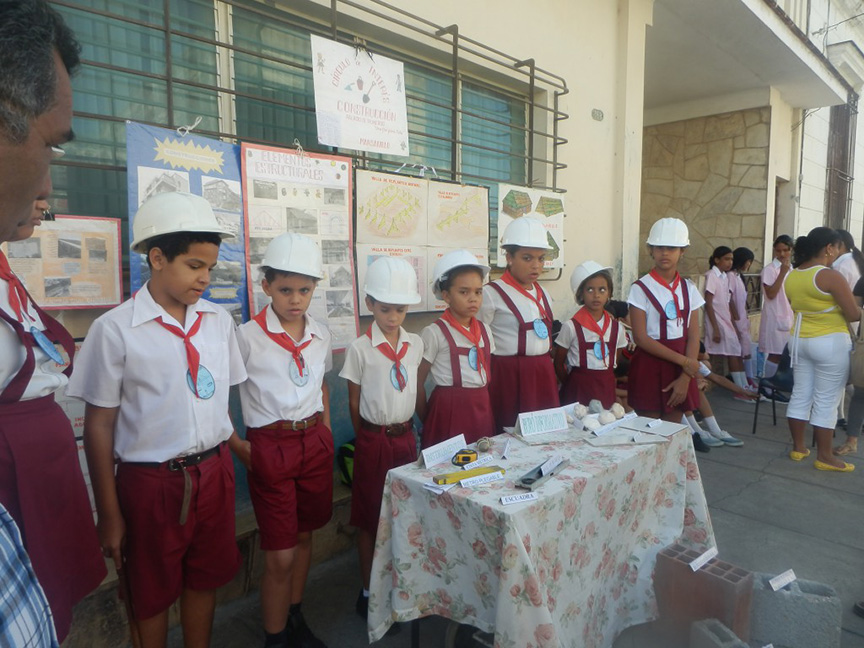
point(649, 375)
point(42, 487)
point(584, 385)
point(455, 410)
point(521, 384)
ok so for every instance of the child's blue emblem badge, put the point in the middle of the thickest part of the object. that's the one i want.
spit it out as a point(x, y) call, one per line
point(394, 377)
point(541, 329)
point(472, 358)
point(294, 374)
point(206, 383)
point(670, 310)
point(46, 345)
point(599, 350)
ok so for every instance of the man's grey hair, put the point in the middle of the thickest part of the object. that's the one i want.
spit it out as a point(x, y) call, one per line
point(30, 33)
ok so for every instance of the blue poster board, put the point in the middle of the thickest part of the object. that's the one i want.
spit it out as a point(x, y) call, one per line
point(161, 160)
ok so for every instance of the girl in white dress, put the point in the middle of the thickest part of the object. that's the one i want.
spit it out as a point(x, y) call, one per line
point(776, 319)
point(721, 339)
point(742, 257)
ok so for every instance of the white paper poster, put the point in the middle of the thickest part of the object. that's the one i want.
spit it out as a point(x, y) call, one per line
point(546, 206)
point(307, 194)
point(359, 99)
point(391, 208)
point(458, 213)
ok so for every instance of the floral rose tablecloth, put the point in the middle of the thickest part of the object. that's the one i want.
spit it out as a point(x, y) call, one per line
point(572, 569)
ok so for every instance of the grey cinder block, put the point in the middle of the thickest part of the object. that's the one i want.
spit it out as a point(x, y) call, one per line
point(804, 614)
point(711, 633)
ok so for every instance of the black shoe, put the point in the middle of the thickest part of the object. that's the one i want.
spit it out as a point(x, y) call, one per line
point(699, 444)
point(780, 397)
point(859, 608)
point(362, 606)
point(299, 634)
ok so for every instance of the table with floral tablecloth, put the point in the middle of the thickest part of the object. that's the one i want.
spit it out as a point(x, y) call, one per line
point(571, 569)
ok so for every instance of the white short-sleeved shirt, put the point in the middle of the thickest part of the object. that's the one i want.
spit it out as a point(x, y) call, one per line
point(846, 266)
point(505, 326)
point(47, 375)
point(269, 394)
point(437, 353)
point(674, 328)
point(365, 365)
point(130, 361)
point(568, 339)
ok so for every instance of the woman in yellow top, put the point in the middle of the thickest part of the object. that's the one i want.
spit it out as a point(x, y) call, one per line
point(820, 344)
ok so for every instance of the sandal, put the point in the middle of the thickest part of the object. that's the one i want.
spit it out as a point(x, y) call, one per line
point(845, 449)
point(798, 456)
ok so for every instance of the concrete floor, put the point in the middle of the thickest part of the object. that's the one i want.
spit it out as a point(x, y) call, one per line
point(770, 514)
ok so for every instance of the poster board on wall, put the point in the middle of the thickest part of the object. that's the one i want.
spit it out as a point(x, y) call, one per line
point(311, 194)
point(420, 220)
point(546, 206)
point(160, 160)
point(71, 262)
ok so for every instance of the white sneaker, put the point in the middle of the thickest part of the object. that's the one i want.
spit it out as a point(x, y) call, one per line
point(727, 439)
point(709, 440)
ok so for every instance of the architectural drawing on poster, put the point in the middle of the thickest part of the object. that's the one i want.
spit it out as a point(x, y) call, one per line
point(391, 208)
point(546, 206)
point(458, 213)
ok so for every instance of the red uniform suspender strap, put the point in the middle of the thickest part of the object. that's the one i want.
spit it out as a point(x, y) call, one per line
point(457, 351)
point(56, 333)
point(685, 291)
point(524, 326)
point(611, 344)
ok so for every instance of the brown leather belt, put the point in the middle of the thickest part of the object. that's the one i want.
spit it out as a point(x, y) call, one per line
point(182, 463)
point(393, 430)
point(304, 424)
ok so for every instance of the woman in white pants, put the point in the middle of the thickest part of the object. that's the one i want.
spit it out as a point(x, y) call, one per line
point(820, 344)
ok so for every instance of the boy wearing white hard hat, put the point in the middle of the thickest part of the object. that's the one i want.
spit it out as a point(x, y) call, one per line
point(381, 369)
point(286, 407)
point(155, 374)
point(517, 310)
point(458, 352)
point(588, 344)
point(665, 323)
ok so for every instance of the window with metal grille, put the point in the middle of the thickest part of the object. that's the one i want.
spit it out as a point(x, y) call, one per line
point(245, 68)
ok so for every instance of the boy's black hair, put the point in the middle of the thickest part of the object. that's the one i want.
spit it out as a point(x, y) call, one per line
point(177, 243)
point(580, 299)
point(272, 274)
point(458, 271)
point(617, 308)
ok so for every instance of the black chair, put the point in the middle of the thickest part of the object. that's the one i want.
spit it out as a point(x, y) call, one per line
point(782, 382)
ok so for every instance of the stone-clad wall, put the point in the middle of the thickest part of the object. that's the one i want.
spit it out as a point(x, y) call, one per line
point(711, 172)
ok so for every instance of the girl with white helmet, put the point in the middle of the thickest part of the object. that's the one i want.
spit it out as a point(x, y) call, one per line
point(381, 369)
point(517, 310)
point(286, 407)
point(458, 352)
point(587, 346)
point(665, 328)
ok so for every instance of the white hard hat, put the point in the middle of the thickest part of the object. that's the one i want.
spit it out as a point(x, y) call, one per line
point(292, 252)
point(174, 211)
point(669, 232)
point(583, 271)
point(392, 280)
point(526, 232)
point(451, 260)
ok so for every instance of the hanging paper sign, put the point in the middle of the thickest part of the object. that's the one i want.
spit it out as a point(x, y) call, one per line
point(359, 99)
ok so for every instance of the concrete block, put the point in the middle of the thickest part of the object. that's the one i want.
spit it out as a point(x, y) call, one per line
point(711, 633)
point(804, 614)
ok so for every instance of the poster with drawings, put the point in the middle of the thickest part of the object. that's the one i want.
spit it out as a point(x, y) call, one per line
point(308, 194)
point(546, 206)
point(419, 219)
